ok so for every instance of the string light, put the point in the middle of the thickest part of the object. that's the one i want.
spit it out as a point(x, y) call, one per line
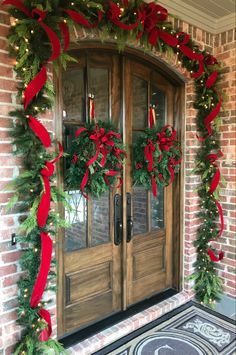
point(35, 249)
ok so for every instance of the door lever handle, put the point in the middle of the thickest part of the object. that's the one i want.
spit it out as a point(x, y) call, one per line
point(129, 221)
point(118, 225)
point(129, 230)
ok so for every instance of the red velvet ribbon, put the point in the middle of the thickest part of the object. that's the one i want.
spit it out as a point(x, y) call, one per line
point(44, 205)
point(149, 149)
point(165, 141)
point(45, 333)
point(154, 186)
point(81, 19)
point(114, 14)
point(165, 36)
point(211, 117)
point(40, 283)
point(152, 117)
point(35, 86)
point(149, 16)
point(216, 177)
point(65, 35)
point(211, 79)
point(40, 131)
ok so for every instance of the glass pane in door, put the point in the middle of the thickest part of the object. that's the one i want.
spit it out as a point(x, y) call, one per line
point(76, 215)
point(158, 98)
point(157, 209)
point(140, 102)
point(100, 226)
point(73, 94)
point(140, 211)
point(99, 87)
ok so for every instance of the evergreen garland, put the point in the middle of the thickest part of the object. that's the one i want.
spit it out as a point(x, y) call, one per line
point(31, 46)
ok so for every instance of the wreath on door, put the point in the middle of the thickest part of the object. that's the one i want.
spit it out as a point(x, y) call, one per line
point(96, 158)
point(157, 158)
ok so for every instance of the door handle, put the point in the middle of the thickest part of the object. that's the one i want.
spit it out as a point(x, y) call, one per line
point(118, 225)
point(129, 221)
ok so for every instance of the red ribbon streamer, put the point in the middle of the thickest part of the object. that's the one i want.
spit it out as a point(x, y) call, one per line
point(40, 131)
point(65, 35)
point(81, 19)
point(44, 205)
point(211, 117)
point(152, 117)
point(211, 79)
point(19, 5)
point(154, 186)
point(40, 283)
point(45, 333)
point(35, 86)
point(166, 37)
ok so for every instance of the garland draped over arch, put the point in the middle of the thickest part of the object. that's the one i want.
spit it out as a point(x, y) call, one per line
point(40, 34)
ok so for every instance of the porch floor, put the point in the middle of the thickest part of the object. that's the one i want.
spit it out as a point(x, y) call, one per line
point(119, 330)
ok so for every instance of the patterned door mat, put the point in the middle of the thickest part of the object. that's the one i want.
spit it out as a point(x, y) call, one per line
point(188, 330)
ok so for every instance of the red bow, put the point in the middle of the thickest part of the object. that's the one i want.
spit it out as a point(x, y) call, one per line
point(210, 60)
point(166, 137)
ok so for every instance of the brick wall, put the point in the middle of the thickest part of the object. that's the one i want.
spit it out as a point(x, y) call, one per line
point(222, 46)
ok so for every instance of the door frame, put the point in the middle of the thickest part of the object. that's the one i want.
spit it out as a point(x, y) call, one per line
point(178, 81)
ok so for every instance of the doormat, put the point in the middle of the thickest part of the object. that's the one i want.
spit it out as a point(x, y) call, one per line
point(188, 330)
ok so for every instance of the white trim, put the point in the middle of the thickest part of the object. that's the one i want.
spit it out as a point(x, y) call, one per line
point(197, 18)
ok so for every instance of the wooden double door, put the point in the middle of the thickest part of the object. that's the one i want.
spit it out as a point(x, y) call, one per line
point(118, 249)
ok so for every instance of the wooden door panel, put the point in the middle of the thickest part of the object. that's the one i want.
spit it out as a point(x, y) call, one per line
point(148, 286)
point(148, 262)
point(89, 282)
point(89, 310)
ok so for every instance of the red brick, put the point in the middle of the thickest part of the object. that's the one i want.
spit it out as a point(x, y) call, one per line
point(7, 270)
point(11, 257)
point(11, 280)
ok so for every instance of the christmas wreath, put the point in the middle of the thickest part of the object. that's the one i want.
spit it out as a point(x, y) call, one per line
point(95, 160)
point(157, 157)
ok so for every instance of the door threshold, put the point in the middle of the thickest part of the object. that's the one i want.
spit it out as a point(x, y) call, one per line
point(82, 334)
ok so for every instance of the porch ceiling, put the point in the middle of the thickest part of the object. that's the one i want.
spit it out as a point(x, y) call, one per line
point(214, 16)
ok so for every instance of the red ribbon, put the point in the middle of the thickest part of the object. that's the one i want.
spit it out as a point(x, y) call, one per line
point(152, 117)
point(211, 79)
point(45, 333)
point(35, 86)
point(216, 177)
point(114, 14)
point(154, 186)
point(183, 39)
point(81, 19)
point(166, 141)
point(44, 205)
point(211, 117)
point(166, 37)
point(40, 131)
point(40, 283)
point(149, 149)
point(65, 35)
